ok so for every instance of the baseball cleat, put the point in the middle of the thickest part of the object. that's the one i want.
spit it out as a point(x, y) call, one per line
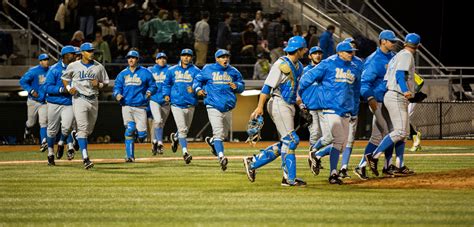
point(334, 179)
point(361, 173)
point(343, 174)
point(250, 172)
point(415, 148)
point(389, 172)
point(51, 160)
point(160, 148)
point(372, 162)
point(314, 163)
point(174, 142)
point(298, 182)
point(187, 158)
point(88, 164)
point(223, 162)
point(44, 147)
point(213, 149)
point(70, 154)
point(129, 159)
point(75, 143)
point(154, 148)
point(60, 152)
point(404, 171)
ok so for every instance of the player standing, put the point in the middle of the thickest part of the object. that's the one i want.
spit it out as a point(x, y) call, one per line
point(83, 79)
point(37, 108)
point(281, 86)
point(218, 83)
point(400, 87)
point(179, 82)
point(159, 103)
point(133, 87)
point(60, 114)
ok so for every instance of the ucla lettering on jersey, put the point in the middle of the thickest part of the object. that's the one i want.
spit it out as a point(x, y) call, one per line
point(182, 77)
point(41, 79)
point(219, 78)
point(87, 75)
point(159, 77)
point(132, 80)
point(344, 77)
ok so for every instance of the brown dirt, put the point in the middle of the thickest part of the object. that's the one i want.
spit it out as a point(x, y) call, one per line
point(260, 145)
point(455, 179)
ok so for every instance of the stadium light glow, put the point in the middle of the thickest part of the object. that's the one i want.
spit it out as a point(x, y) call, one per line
point(23, 93)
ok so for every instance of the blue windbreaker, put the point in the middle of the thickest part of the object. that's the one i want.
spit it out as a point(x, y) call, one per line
point(375, 67)
point(33, 79)
point(179, 82)
point(133, 86)
point(159, 74)
point(54, 85)
point(215, 79)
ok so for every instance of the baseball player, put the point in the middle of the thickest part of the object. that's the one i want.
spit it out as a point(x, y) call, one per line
point(400, 87)
point(60, 114)
point(281, 86)
point(32, 82)
point(83, 79)
point(372, 90)
point(218, 83)
point(133, 87)
point(179, 82)
point(159, 103)
point(339, 77)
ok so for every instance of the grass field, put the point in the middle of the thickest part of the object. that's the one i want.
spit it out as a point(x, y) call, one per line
point(168, 192)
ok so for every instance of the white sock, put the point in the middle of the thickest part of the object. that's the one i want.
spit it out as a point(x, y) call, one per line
point(84, 154)
point(185, 150)
point(70, 146)
point(60, 143)
point(160, 142)
point(154, 141)
point(50, 151)
point(221, 154)
point(344, 167)
point(333, 172)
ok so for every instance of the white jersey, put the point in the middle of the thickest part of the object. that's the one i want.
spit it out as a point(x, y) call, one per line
point(81, 75)
point(403, 61)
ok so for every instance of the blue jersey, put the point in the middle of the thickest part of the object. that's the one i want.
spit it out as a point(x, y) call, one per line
point(159, 74)
point(326, 42)
point(308, 67)
point(339, 80)
point(54, 87)
point(133, 86)
point(375, 67)
point(311, 95)
point(33, 79)
point(179, 85)
point(215, 79)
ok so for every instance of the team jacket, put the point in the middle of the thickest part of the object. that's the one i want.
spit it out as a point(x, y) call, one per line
point(215, 79)
point(33, 79)
point(179, 82)
point(372, 81)
point(134, 85)
point(340, 81)
point(311, 95)
point(54, 85)
point(159, 74)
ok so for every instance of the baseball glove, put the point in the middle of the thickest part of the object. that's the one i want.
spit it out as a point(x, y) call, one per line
point(306, 119)
point(419, 97)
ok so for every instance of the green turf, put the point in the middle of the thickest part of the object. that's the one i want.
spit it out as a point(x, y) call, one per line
point(171, 193)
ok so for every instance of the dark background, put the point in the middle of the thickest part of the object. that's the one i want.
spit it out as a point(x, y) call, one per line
point(445, 27)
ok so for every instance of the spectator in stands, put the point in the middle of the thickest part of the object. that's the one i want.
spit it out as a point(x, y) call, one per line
point(201, 39)
point(285, 25)
point(102, 47)
point(119, 47)
point(275, 33)
point(240, 24)
point(6, 46)
point(297, 30)
point(86, 11)
point(258, 23)
point(77, 38)
point(107, 28)
point(128, 21)
point(249, 40)
point(163, 14)
point(311, 37)
point(261, 68)
point(326, 41)
point(224, 34)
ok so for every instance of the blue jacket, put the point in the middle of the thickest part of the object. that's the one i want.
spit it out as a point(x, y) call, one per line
point(215, 79)
point(159, 74)
point(375, 67)
point(133, 86)
point(326, 42)
point(312, 95)
point(33, 79)
point(54, 85)
point(339, 80)
point(179, 82)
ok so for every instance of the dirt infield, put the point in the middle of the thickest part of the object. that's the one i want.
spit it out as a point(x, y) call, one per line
point(455, 179)
point(260, 145)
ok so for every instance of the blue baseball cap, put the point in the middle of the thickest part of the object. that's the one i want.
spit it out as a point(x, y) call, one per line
point(67, 50)
point(315, 49)
point(78, 51)
point(187, 52)
point(161, 55)
point(349, 40)
point(344, 46)
point(87, 47)
point(388, 35)
point(133, 54)
point(221, 52)
point(43, 56)
point(412, 38)
point(295, 43)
